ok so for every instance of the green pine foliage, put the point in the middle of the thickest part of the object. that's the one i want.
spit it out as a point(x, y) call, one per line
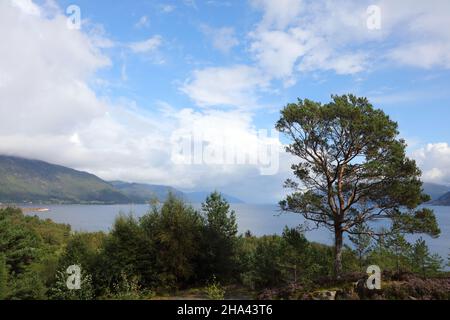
point(351, 169)
point(219, 238)
point(359, 236)
point(175, 247)
point(3, 277)
point(215, 290)
point(60, 291)
point(422, 261)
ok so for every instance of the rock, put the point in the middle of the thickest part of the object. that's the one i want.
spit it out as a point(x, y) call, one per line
point(346, 294)
point(364, 292)
point(324, 295)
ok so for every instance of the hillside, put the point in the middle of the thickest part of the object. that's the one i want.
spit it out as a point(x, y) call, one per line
point(23, 180)
point(198, 197)
point(142, 193)
point(443, 200)
point(434, 190)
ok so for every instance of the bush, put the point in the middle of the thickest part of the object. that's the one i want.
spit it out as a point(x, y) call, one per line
point(59, 290)
point(417, 288)
point(30, 248)
point(128, 289)
point(292, 291)
point(3, 278)
point(27, 286)
point(214, 290)
point(219, 241)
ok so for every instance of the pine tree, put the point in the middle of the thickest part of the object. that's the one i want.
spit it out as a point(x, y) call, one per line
point(359, 236)
point(220, 236)
point(3, 277)
point(424, 262)
point(352, 168)
point(295, 248)
point(399, 247)
point(60, 291)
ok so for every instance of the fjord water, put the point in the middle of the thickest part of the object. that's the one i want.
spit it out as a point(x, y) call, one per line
point(259, 219)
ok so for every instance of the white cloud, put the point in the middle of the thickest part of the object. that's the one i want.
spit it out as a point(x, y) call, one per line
point(219, 3)
point(45, 67)
point(97, 36)
point(146, 46)
point(280, 13)
point(167, 8)
point(434, 160)
point(190, 3)
point(421, 28)
point(223, 39)
point(144, 22)
point(123, 73)
point(296, 35)
point(432, 54)
point(235, 86)
point(347, 63)
point(48, 111)
point(27, 7)
point(306, 36)
point(278, 51)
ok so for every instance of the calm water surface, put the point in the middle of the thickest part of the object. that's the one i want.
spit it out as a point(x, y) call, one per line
point(260, 219)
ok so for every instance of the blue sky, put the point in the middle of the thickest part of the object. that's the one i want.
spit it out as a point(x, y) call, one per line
point(415, 97)
point(109, 97)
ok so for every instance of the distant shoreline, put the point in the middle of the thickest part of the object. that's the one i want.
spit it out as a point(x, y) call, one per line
point(38, 204)
point(34, 209)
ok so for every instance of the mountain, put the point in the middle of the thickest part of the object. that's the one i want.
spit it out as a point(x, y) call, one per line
point(142, 193)
point(24, 180)
point(198, 197)
point(442, 201)
point(435, 191)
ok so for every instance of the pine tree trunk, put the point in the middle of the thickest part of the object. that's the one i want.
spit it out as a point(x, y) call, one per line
point(398, 263)
point(361, 261)
point(338, 241)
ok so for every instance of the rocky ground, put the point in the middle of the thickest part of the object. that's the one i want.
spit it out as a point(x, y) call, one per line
point(404, 286)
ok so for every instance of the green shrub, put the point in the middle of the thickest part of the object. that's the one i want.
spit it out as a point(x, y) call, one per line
point(214, 290)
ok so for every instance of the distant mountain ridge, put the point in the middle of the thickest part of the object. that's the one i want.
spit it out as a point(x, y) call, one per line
point(440, 194)
point(434, 190)
point(444, 200)
point(141, 193)
point(197, 197)
point(24, 180)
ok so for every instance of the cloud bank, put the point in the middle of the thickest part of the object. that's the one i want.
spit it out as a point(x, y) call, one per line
point(49, 111)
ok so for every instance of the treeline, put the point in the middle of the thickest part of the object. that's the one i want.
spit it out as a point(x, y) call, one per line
point(175, 247)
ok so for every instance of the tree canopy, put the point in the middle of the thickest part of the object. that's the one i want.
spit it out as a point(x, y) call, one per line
point(352, 169)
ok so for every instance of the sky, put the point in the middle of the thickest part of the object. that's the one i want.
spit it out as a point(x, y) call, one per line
point(116, 88)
